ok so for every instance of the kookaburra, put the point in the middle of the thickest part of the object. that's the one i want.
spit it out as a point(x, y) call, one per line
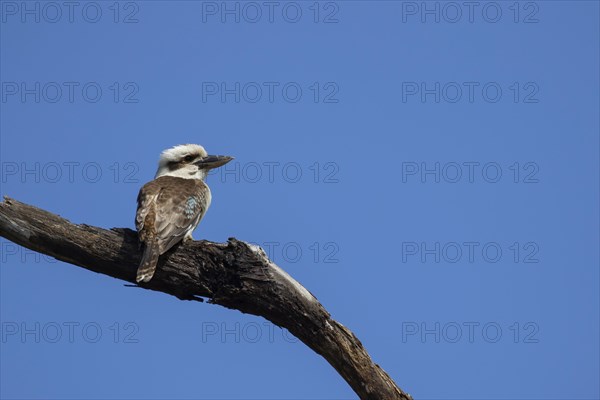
point(171, 206)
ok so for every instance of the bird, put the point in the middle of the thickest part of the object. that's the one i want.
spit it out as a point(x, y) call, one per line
point(172, 205)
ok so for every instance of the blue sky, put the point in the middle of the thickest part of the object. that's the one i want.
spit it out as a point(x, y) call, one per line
point(428, 170)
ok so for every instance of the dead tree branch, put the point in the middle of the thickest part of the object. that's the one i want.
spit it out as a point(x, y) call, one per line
point(235, 275)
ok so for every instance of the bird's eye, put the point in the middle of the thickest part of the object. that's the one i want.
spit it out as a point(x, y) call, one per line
point(188, 158)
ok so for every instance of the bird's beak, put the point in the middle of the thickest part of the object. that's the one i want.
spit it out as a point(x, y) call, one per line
point(210, 162)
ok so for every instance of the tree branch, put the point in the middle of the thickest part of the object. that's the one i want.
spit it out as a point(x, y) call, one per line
point(235, 274)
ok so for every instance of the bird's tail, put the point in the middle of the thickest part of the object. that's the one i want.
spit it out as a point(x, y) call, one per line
point(147, 266)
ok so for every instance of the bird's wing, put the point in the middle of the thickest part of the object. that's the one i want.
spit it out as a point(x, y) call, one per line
point(146, 201)
point(168, 208)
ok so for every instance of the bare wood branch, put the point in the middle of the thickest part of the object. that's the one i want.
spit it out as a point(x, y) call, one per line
point(235, 274)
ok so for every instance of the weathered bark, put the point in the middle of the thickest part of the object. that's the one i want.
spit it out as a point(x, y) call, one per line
point(235, 274)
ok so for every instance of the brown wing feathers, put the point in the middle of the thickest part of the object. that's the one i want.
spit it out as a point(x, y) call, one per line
point(168, 208)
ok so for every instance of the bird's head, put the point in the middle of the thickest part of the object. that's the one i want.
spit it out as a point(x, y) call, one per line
point(188, 161)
